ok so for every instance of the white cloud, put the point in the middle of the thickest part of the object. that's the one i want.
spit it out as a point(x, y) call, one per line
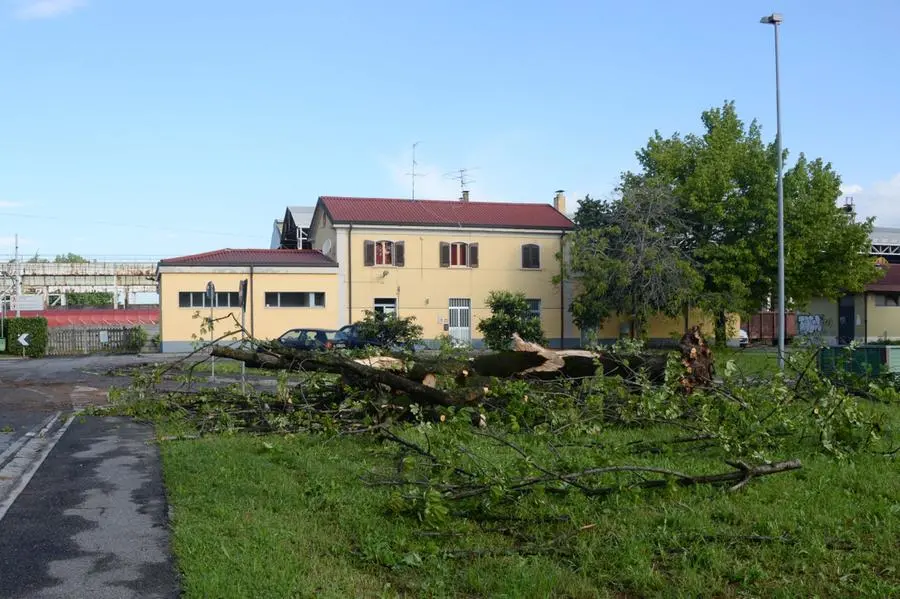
point(880, 199)
point(47, 9)
point(5, 204)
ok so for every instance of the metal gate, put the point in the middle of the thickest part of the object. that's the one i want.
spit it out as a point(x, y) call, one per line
point(461, 320)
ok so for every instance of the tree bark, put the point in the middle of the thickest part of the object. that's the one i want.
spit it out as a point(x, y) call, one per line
point(284, 359)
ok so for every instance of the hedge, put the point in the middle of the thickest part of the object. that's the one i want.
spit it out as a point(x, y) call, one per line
point(38, 336)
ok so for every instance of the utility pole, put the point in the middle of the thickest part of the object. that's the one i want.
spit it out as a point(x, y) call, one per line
point(18, 276)
point(775, 20)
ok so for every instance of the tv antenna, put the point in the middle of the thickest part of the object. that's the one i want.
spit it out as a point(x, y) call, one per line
point(413, 174)
point(462, 175)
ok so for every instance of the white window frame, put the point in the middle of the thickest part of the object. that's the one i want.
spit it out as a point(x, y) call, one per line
point(462, 248)
point(384, 303)
point(383, 244)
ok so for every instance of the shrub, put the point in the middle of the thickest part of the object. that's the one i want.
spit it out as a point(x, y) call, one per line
point(137, 338)
point(97, 299)
point(38, 336)
point(509, 314)
point(389, 329)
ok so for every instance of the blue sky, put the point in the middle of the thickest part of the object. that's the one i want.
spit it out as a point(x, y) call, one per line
point(165, 127)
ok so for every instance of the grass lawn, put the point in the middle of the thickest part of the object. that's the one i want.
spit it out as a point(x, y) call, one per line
point(750, 361)
point(290, 517)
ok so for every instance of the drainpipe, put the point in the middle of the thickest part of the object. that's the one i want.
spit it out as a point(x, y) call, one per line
point(252, 335)
point(349, 274)
point(865, 317)
point(562, 291)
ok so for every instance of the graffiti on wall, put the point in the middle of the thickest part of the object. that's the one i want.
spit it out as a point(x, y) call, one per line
point(810, 324)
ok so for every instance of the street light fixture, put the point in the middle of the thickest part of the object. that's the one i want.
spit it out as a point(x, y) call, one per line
point(775, 19)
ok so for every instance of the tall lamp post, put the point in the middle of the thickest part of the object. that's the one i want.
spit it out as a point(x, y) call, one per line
point(775, 19)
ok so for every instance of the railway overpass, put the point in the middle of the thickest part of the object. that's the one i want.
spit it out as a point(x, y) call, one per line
point(128, 282)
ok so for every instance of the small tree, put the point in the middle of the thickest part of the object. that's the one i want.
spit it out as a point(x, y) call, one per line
point(389, 329)
point(627, 259)
point(509, 314)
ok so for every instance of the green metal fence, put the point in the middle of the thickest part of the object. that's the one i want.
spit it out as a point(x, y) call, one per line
point(864, 360)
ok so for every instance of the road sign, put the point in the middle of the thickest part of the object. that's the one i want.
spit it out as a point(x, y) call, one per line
point(26, 302)
point(211, 293)
point(23, 339)
point(242, 294)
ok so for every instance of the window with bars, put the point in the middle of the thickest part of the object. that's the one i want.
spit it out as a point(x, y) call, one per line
point(295, 299)
point(458, 254)
point(198, 299)
point(531, 255)
point(384, 253)
point(534, 307)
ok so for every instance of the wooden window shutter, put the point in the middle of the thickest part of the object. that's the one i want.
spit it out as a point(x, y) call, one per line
point(369, 253)
point(399, 253)
point(531, 256)
point(445, 254)
point(473, 255)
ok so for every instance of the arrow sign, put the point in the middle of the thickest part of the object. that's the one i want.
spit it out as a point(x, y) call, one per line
point(23, 339)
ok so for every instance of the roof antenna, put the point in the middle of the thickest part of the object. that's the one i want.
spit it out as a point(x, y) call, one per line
point(462, 175)
point(413, 174)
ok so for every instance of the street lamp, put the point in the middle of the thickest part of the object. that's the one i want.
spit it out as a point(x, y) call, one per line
point(775, 19)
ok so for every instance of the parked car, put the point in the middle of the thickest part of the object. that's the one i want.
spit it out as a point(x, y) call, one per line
point(743, 338)
point(311, 339)
point(349, 336)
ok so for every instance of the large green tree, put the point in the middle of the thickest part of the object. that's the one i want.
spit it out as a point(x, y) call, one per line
point(724, 180)
point(626, 258)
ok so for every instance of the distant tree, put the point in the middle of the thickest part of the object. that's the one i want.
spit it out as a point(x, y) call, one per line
point(96, 299)
point(627, 261)
point(509, 314)
point(36, 259)
point(70, 258)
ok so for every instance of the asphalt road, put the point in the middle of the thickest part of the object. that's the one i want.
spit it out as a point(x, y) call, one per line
point(82, 506)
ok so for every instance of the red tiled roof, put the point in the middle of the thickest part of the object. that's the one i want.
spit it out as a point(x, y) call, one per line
point(392, 211)
point(252, 257)
point(890, 282)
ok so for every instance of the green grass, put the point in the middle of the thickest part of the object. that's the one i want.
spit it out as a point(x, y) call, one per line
point(751, 361)
point(290, 517)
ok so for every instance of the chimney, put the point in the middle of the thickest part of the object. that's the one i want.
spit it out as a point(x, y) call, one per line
point(465, 197)
point(559, 201)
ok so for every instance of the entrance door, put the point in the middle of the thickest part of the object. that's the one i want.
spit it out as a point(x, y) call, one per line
point(461, 320)
point(846, 320)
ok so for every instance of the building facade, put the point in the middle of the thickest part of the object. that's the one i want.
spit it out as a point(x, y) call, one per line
point(439, 260)
point(285, 289)
point(874, 314)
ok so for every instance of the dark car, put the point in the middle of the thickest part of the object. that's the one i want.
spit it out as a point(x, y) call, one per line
point(311, 339)
point(350, 337)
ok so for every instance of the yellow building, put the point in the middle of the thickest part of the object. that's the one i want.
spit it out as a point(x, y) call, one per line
point(285, 289)
point(439, 260)
point(866, 317)
point(435, 260)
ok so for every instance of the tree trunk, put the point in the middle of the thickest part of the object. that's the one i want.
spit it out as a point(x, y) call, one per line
point(721, 332)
